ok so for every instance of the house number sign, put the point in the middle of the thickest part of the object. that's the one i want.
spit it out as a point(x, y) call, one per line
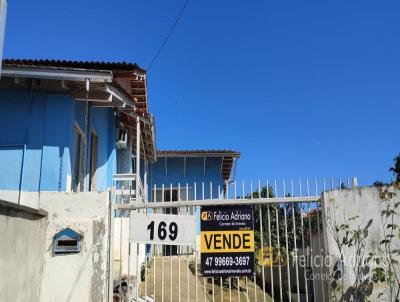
point(162, 229)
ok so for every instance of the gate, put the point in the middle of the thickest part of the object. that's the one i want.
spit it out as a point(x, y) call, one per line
point(288, 240)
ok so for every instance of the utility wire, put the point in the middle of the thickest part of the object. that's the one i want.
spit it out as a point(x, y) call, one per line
point(169, 34)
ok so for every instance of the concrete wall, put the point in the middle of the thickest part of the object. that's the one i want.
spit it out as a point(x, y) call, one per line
point(339, 206)
point(21, 254)
point(37, 144)
point(82, 276)
point(319, 272)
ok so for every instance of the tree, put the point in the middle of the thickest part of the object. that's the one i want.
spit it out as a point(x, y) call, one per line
point(379, 183)
point(287, 228)
point(396, 168)
point(279, 219)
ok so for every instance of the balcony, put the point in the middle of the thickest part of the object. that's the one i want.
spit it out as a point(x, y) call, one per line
point(127, 185)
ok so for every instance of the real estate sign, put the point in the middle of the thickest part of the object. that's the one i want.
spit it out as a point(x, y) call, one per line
point(227, 241)
point(272, 256)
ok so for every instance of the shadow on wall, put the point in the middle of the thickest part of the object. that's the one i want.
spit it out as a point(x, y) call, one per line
point(22, 229)
point(361, 226)
point(37, 144)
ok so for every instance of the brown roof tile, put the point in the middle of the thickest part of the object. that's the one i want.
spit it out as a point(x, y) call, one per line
point(228, 157)
point(98, 65)
point(229, 153)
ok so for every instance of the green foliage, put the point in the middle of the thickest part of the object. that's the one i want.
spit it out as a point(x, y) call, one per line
point(276, 215)
point(396, 168)
point(143, 272)
point(273, 218)
point(378, 267)
point(348, 238)
point(379, 183)
point(390, 253)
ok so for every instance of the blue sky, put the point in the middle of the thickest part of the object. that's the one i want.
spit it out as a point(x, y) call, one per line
point(300, 88)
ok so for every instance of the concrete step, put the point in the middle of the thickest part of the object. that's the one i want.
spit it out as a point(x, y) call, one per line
point(143, 299)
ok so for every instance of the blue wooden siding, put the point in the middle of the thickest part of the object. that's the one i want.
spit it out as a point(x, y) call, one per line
point(174, 171)
point(57, 143)
point(37, 140)
point(102, 122)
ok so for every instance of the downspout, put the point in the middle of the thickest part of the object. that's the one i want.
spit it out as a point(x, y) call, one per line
point(87, 125)
point(234, 170)
point(204, 169)
point(26, 137)
point(41, 155)
point(153, 137)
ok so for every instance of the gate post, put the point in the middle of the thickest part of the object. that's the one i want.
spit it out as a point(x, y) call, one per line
point(111, 245)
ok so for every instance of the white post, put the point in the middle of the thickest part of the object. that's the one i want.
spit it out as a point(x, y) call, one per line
point(137, 159)
point(355, 182)
point(111, 244)
point(145, 180)
point(138, 199)
point(3, 14)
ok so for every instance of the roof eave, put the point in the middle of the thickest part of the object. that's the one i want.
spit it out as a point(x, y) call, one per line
point(234, 155)
point(119, 95)
point(61, 74)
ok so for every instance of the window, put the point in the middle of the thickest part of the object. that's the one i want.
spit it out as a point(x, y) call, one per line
point(78, 181)
point(172, 195)
point(94, 143)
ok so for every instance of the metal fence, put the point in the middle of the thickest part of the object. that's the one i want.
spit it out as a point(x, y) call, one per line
point(289, 244)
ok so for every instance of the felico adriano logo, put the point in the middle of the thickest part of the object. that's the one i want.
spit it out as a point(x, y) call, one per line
point(206, 216)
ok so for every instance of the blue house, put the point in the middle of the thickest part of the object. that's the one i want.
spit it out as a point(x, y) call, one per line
point(71, 133)
point(182, 169)
point(67, 126)
point(180, 175)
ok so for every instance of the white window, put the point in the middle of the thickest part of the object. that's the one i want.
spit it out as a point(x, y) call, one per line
point(78, 178)
point(94, 143)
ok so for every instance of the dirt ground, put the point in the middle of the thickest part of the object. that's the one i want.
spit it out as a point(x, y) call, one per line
point(251, 292)
point(182, 287)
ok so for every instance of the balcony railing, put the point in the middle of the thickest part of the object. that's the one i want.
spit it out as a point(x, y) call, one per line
point(126, 186)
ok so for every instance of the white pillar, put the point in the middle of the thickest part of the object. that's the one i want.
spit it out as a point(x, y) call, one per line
point(3, 14)
point(137, 159)
point(355, 182)
point(146, 167)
